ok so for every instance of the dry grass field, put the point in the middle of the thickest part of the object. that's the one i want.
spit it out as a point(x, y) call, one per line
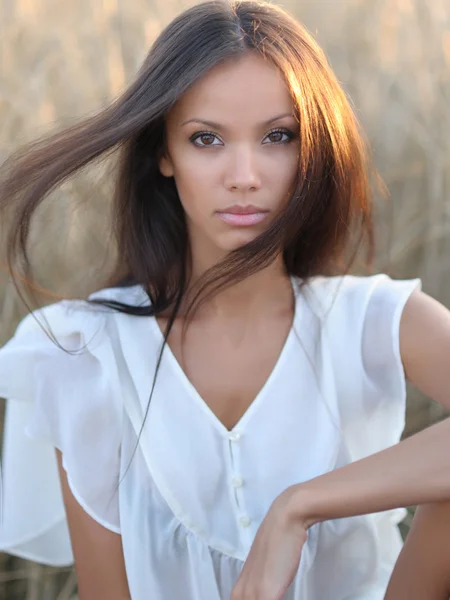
point(62, 60)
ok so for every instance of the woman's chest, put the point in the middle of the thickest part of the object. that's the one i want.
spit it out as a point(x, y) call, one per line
point(228, 370)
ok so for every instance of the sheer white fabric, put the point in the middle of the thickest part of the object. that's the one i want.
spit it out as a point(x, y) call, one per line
point(191, 498)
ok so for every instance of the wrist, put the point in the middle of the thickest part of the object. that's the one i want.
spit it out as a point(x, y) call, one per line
point(300, 505)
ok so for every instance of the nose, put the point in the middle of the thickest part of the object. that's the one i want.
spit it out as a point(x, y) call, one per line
point(242, 173)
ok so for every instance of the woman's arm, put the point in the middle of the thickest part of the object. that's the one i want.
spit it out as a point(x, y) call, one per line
point(415, 471)
point(422, 569)
point(98, 552)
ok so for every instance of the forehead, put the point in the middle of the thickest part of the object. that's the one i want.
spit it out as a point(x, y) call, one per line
point(247, 89)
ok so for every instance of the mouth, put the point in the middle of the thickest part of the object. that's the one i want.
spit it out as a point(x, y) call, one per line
point(243, 216)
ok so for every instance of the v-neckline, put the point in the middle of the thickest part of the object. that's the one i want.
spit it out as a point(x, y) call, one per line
point(257, 400)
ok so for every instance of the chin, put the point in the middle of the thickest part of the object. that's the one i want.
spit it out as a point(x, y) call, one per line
point(236, 239)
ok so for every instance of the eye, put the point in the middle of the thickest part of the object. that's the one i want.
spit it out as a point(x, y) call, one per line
point(276, 136)
point(205, 136)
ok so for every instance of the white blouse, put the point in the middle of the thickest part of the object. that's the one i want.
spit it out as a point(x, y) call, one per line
point(190, 500)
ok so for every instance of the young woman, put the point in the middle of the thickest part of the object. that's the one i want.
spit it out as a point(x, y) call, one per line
point(226, 408)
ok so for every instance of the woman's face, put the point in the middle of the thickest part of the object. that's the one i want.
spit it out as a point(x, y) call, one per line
point(232, 148)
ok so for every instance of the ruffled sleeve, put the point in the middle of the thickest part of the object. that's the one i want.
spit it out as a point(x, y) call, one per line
point(380, 343)
point(361, 320)
point(68, 401)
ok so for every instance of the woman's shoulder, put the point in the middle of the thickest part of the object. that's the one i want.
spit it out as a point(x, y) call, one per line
point(128, 294)
point(71, 337)
point(71, 316)
point(352, 283)
point(353, 293)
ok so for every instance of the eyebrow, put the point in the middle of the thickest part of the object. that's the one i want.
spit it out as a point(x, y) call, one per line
point(218, 126)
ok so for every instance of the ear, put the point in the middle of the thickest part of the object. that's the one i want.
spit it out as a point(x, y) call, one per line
point(165, 166)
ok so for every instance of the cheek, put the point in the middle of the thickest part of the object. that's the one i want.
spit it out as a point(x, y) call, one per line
point(196, 183)
point(280, 175)
point(287, 165)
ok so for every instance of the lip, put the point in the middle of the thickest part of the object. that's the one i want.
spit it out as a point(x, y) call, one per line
point(237, 209)
point(243, 216)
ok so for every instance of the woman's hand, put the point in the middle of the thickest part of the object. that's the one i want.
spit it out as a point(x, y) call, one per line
point(274, 557)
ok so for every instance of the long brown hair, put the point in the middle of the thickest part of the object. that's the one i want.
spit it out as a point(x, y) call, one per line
point(328, 216)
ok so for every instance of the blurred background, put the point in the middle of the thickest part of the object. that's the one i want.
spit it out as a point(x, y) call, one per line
point(60, 61)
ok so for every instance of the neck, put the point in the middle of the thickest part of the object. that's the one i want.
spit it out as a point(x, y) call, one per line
point(270, 287)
